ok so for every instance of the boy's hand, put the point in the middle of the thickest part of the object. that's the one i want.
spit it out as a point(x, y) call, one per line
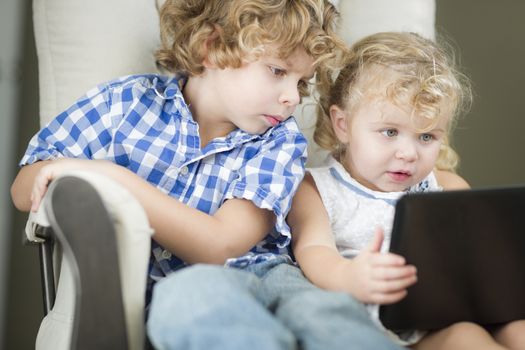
point(379, 278)
point(49, 172)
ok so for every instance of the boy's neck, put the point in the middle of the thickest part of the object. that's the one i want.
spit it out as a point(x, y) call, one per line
point(199, 97)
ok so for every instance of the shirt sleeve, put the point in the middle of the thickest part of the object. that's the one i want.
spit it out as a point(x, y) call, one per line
point(272, 176)
point(81, 131)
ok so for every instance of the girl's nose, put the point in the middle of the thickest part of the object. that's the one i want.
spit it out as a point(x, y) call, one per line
point(406, 151)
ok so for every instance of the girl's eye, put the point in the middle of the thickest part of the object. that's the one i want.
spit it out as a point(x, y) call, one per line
point(278, 72)
point(302, 84)
point(389, 132)
point(426, 137)
point(303, 88)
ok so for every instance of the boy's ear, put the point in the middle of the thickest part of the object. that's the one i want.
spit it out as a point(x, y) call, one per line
point(205, 47)
point(339, 123)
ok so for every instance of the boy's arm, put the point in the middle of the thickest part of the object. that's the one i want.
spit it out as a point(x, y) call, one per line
point(197, 237)
point(192, 235)
point(371, 277)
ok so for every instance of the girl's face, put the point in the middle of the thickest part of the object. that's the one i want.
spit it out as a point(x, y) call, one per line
point(384, 149)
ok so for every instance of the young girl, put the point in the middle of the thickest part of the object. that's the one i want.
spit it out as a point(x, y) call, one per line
point(386, 120)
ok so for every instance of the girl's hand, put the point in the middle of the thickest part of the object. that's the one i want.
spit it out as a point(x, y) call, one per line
point(379, 278)
point(49, 172)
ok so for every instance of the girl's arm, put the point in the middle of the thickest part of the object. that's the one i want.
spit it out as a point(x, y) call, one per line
point(192, 235)
point(371, 277)
point(450, 181)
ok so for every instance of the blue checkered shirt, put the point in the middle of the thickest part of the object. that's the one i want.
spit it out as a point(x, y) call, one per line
point(143, 123)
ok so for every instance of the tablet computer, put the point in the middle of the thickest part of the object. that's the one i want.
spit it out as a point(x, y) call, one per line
point(469, 250)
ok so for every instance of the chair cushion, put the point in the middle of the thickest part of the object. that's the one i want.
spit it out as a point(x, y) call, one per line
point(364, 17)
point(83, 43)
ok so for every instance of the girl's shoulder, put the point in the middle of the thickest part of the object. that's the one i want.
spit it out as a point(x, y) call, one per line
point(450, 181)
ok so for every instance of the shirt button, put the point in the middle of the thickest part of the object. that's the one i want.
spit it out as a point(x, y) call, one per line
point(184, 171)
point(165, 254)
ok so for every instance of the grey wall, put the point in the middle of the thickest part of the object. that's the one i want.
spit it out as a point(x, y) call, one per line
point(10, 55)
point(20, 296)
point(491, 38)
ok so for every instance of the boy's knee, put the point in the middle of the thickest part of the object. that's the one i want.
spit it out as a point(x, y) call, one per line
point(284, 271)
point(203, 279)
point(197, 273)
point(319, 303)
point(288, 277)
point(186, 276)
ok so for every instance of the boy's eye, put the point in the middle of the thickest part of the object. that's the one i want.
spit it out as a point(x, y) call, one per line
point(389, 132)
point(426, 137)
point(278, 72)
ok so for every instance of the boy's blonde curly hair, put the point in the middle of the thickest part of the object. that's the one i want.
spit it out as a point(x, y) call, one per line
point(227, 31)
point(423, 70)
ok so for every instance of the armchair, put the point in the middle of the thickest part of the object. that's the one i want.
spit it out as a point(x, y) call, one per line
point(80, 44)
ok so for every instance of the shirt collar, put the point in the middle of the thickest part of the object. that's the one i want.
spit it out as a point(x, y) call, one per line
point(342, 176)
point(239, 136)
point(169, 88)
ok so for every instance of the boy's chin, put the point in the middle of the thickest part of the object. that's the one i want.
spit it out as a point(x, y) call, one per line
point(256, 131)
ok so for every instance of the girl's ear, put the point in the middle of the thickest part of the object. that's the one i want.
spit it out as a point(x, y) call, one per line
point(340, 123)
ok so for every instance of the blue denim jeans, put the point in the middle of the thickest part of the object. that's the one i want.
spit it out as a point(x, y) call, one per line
point(266, 306)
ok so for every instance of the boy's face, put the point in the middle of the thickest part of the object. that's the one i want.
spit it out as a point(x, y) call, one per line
point(261, 93)
point(385, 151)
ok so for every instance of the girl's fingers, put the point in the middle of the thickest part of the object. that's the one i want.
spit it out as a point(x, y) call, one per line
point(375, 245)
point(393, 286)
point(393, 272)
point(388, 298)
point(386, 259)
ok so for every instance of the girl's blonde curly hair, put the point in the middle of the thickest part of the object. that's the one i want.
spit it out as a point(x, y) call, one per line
point(423, 70)
point(227, 31)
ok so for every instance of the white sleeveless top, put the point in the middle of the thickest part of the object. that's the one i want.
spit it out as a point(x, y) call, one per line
point(355, 211)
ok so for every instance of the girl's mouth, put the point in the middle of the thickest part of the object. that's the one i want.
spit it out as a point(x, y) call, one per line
point(399, 176)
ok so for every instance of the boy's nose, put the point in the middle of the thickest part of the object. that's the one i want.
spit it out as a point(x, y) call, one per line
point(290, 95)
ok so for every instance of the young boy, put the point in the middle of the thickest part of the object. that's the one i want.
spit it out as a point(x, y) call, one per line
point(219, 140)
